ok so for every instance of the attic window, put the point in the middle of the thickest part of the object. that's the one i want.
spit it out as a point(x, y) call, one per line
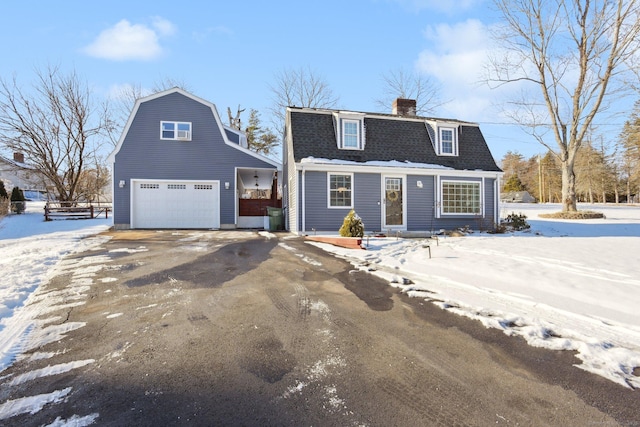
point(443, 136)
point(447, 141)
point(179, 131)
point(349, 130)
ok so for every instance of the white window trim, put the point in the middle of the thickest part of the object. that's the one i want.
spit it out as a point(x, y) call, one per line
point(176, 131)
point(329, 174)
point(341, 119)
point(454, 142)
point(344, 123)
point(458, 214)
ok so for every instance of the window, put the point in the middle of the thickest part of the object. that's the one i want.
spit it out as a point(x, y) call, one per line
point(447, 142)
point(460, 197)
point(175, 130)
point(340, 190)
point(149, 186)
point(350, 130)
point(350, 134)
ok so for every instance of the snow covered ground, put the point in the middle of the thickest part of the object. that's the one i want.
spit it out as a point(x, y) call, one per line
point(31, 249)
point(571, 285)
point(562, 285)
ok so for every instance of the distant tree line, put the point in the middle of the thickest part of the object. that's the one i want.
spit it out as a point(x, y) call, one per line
point(605, 172)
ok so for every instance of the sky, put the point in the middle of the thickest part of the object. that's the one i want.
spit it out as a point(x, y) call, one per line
point(230, 53)
point(546, 285)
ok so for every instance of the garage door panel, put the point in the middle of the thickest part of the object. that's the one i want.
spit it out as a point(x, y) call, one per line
point(175, 204)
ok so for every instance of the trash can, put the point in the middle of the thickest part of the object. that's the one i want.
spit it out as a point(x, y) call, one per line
point(275, 218)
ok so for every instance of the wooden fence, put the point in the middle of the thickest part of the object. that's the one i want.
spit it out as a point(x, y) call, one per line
point(52, 212)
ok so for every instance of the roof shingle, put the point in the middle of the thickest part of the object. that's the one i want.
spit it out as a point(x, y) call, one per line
point(387, 139)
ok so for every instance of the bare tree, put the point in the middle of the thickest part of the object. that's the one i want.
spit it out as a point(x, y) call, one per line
point(575, 54)
point(300, 87)
point(57, 127)
point(401, 83)
point(235, 121)
point(123, 100)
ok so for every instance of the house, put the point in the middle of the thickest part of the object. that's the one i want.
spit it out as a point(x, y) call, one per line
point(177, 166)
point(398, 171)
point(17, 173)
point(517, 197)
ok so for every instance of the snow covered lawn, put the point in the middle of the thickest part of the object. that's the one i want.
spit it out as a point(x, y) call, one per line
point(31, 250)
point(563, 285)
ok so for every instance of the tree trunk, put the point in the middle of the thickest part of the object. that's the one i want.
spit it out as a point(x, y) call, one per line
point(568, 186)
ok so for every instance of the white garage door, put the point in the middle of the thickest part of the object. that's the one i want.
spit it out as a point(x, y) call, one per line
point(175, 204)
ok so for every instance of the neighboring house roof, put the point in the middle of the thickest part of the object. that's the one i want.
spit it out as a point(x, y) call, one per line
point(23, 175)
point(517, 196)
point(388, 138)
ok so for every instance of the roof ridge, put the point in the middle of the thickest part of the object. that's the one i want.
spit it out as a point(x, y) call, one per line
point(380, 115)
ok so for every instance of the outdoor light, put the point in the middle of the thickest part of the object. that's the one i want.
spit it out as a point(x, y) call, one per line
point(226, 185)
point(121, 183)
point(419, 184)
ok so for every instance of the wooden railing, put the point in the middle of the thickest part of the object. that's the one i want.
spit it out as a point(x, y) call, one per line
point(257, 207)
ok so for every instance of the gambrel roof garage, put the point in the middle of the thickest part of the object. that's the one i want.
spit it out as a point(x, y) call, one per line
point(177, 166)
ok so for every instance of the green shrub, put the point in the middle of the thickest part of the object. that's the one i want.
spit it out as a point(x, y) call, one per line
point(352, 226)
point(516, 222)
point(17, 200)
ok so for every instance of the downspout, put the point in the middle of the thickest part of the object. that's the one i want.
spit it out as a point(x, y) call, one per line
point(496, 191)
point(436, 183)
point(484, 198)
point(304, 202)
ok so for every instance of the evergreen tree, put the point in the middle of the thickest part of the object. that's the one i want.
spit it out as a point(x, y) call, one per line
point(352, 225)
point(258, 139)
point(513, 184)
point(17, 200)
point(629, 143)
point(3, 191)
point(4, 200)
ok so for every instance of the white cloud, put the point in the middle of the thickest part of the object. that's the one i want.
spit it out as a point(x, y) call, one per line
point(126, 41)
point(456, 59)
point(202, 35)
point(163, 26)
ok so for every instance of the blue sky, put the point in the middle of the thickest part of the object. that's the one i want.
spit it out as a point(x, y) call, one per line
point(229, 52)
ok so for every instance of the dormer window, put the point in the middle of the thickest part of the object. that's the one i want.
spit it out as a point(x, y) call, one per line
point(444, 137)
point(350, 130)
point(350, 134)
point(179, 131)
point(447, 141)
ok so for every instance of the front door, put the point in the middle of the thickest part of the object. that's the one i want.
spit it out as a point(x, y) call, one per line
point(393, 202)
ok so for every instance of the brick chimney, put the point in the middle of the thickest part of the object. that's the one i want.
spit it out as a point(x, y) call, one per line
point(404, 107)
point(18, 157)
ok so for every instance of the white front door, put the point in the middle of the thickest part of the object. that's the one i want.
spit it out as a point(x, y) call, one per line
point(175, 204)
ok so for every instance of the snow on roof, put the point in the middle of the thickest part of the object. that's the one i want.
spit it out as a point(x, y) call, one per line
point(389, 163)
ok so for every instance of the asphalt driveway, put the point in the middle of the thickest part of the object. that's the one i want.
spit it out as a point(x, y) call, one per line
point(234, 328)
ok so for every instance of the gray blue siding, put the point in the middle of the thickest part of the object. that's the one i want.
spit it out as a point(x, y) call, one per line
point(366, 198)
point(143, 155)
point(421, 204)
